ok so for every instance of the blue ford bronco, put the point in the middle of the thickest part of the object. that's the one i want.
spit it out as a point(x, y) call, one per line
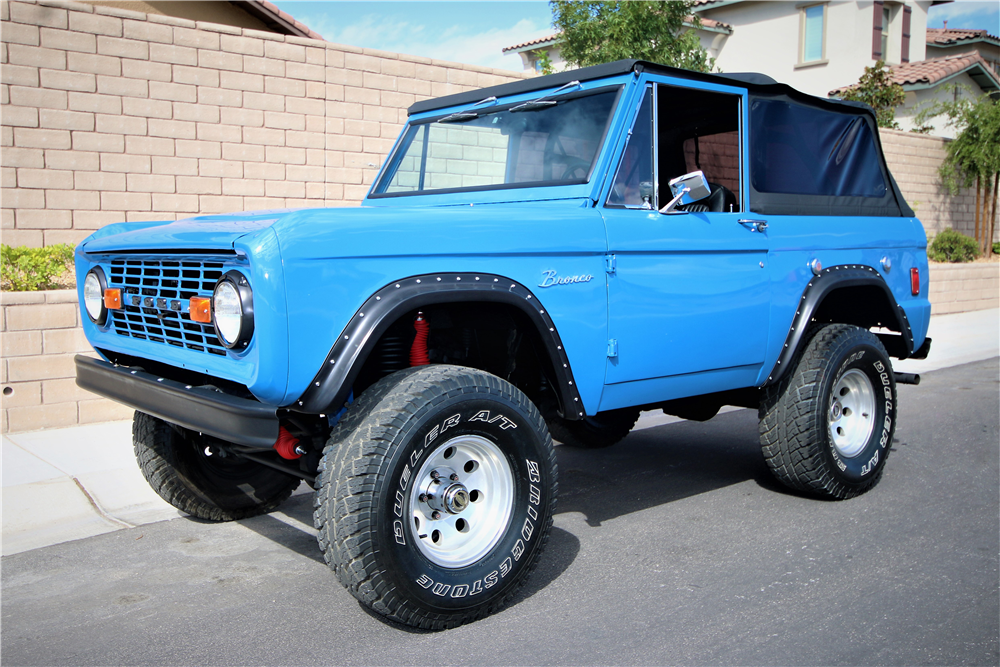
point(548, 256)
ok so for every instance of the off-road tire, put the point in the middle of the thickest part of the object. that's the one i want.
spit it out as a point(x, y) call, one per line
point(602, 430)
point(214, 488)
point(368, 501)
point(797, 415)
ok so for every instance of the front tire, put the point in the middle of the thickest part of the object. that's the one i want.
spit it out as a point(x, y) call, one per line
point(435, 497)
point(216, 487)
point(827, 427)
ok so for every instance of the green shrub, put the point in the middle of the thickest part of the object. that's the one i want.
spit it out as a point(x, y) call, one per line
point(996, 248)
point(952, 246)
point(24, 269)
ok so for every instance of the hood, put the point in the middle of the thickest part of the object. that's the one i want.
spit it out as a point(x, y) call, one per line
point(367, 230)
point(214, 232)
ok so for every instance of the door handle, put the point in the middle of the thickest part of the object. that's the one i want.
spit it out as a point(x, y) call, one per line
point(754, 225)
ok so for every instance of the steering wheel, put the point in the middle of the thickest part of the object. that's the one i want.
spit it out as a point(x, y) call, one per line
point(576, 169)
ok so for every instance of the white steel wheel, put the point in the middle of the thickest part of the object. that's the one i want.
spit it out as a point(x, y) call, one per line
point(852, 413)
point(461, 501)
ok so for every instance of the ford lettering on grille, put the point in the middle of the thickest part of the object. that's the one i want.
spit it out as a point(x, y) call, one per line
point(155, 295)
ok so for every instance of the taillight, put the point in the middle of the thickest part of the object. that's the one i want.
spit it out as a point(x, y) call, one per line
point(915, 281)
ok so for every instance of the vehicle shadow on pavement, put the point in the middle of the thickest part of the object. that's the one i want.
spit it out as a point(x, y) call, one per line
point(661, 465)
point(293, 530)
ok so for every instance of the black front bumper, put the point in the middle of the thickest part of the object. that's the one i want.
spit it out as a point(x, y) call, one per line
point(203, 409)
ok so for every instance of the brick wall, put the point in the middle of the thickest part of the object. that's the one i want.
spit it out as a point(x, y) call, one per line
point(914, 160)
point(41, 335)
point(959, 288)
point(112, 115)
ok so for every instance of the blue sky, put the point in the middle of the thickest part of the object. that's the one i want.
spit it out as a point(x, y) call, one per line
point(468, 32)
point(475, 32)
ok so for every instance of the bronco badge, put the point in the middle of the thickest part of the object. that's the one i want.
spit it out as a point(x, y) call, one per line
point(550, 279)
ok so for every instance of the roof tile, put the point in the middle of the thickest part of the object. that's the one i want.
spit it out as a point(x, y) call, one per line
point(706, 23)
point(931, 71)
point(950, 36)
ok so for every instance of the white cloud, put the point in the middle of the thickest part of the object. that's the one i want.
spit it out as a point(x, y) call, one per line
point(452, 43)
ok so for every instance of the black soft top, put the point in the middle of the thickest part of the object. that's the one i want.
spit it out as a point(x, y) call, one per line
point(790, 174)
point(752, 81)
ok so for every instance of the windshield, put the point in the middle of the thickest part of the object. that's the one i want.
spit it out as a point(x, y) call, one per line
point(553, 143)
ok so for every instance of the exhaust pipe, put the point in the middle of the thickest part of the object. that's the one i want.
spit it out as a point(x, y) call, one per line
point(907, 378)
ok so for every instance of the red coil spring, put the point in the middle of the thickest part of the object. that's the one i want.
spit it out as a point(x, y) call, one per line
point(285, 445)
point(418, 353)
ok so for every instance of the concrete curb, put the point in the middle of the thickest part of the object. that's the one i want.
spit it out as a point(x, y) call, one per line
point(71, 483)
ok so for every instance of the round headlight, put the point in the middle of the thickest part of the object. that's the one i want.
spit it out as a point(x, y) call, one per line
point(232, 310)
point(93, 295)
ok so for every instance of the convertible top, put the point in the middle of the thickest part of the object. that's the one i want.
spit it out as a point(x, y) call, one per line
point(752, 81)
point(787, 142)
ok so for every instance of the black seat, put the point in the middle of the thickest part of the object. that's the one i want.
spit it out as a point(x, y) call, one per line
point(722, 200)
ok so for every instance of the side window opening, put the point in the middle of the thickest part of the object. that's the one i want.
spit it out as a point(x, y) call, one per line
point(700, 130)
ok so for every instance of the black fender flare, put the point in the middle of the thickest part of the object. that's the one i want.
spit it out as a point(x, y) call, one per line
point(331, 386)
point(828, 280)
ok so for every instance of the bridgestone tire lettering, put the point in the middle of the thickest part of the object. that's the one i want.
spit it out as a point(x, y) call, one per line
point(794, 428)
point(369, 476)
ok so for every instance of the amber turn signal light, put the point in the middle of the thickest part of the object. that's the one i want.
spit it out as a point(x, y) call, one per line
point(915, 281)
point(113, 299)
point(201, 309)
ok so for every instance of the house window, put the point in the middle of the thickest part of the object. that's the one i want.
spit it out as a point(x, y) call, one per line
point(885, 32)
point(812, 34)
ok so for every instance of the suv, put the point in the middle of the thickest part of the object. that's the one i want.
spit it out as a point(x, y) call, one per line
point(545, 256)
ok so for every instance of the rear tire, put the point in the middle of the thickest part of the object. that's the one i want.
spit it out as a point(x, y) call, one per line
point(435, 495)
point(827, 427)
point(215, 488)
point(602, 430)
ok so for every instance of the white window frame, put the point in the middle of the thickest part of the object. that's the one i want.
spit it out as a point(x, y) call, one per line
point(802, 62)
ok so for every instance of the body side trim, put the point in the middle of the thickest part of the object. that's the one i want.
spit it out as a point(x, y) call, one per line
point(835, 277)
point(332, 384)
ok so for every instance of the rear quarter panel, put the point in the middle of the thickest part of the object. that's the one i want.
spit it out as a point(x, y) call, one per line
point(795, 241)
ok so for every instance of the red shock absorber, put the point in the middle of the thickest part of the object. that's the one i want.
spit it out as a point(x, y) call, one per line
point(418, 352)
point(286, 444)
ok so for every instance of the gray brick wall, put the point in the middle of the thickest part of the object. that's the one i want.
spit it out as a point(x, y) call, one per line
point(112, 115)
point(914, 160)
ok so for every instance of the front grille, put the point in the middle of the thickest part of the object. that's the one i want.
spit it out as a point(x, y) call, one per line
point(155, 297)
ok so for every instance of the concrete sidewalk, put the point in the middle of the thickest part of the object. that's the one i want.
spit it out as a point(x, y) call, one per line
point(71, 483)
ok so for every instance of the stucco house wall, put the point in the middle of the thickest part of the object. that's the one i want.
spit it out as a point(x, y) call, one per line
point(767, 36)
point(918, 100)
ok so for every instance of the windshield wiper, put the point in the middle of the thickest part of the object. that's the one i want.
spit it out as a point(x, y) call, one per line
point(462, 116)
point(544, 101)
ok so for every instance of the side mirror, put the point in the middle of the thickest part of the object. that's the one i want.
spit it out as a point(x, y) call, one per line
point(687, 189)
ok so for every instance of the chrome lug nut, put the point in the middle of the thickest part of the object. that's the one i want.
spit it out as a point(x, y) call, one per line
point(435, 515)
point(454, 477)
point(423, 498)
